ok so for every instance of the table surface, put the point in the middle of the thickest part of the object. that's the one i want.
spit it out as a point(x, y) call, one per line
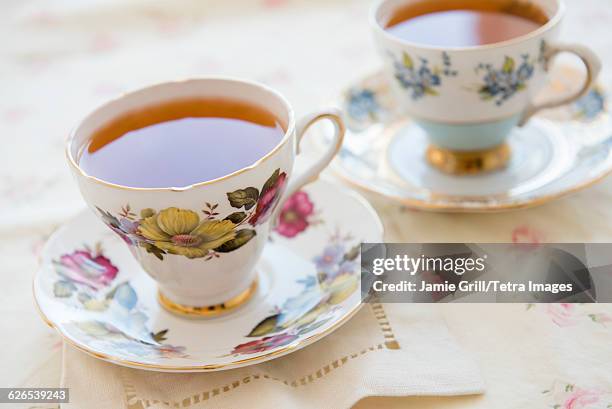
point(60, 59)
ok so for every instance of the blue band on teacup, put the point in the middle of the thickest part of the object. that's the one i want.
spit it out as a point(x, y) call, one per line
point(469, 137)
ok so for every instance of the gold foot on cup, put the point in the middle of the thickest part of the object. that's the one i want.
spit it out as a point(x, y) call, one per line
point(207, 311)
point(468, 162)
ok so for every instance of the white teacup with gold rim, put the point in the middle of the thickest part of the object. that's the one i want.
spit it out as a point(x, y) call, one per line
point(469, 98)
point(201, 242)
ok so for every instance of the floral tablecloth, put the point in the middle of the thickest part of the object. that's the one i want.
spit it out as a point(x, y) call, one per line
point(59, 59)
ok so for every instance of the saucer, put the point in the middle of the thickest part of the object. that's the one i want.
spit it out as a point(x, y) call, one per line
point(94, 293)
point(553, 155)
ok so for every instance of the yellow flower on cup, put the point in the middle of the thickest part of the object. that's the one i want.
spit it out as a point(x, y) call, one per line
point(180, 231)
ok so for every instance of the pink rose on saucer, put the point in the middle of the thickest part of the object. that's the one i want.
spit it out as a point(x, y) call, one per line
point(264, 344)
point(294, 215)
point(88, 268)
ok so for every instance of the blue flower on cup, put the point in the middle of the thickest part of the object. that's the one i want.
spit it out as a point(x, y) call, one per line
point(419, 77)
point(501, 84)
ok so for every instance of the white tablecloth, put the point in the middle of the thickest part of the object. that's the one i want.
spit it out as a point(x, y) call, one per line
point(60, 59)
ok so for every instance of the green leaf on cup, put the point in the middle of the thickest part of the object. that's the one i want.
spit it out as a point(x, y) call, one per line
point(153, 249)
point(236, 217)
point(271, 181)
point(246, 198)
point(266, 326)
point(242, 237)
point(508, 65)
point(407, 61)
point(148, 212)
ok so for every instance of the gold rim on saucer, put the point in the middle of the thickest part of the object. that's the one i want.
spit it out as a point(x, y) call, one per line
point(468, 162)
point(46, 302)
point(207, 311)
point(200, 368)
point(375, 120)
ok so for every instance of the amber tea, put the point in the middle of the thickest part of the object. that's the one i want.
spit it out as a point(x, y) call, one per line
point(464, 23)
point(180, 143)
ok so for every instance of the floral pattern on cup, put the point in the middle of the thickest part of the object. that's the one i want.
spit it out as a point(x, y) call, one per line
point(336, 280)
point(373, 96)
point(500, 84)
point(86, 281)
point(566, 395)
point(296, 215)
point(184, 232)
point(265, 200)
point(419, 77)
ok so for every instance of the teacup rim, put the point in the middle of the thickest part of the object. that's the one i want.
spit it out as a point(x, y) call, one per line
point(553, 21)
point(290, 129)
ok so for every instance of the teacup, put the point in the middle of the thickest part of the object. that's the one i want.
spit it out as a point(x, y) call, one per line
point(166, 229)
point(469, 99)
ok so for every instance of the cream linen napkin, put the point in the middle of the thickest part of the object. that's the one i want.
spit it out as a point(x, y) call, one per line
point(385, 350)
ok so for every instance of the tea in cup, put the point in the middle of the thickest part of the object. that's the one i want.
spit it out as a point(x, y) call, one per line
point(191, 176)
point(467, 71)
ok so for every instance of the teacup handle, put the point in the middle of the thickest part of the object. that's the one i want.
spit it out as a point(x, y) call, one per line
point(593, 67)
point(310, 175)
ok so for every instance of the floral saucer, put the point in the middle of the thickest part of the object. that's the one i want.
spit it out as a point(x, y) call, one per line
point(94, 293)
point(553, 155)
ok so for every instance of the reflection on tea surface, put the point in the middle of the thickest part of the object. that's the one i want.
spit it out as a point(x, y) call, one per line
point(180, 143)
point(464, 23)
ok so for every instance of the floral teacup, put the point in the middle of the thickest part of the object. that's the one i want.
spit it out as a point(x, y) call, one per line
point(201, 242)
point(468, 99)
